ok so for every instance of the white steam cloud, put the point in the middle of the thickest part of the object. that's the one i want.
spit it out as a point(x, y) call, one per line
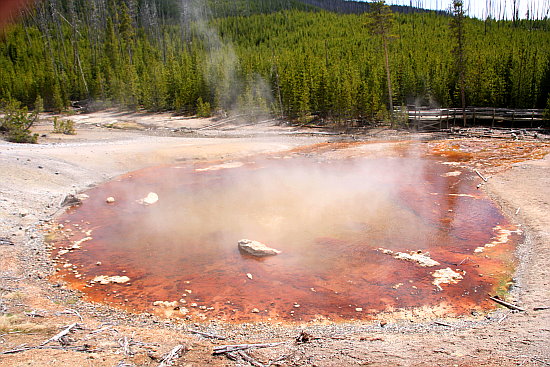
point(247, 97)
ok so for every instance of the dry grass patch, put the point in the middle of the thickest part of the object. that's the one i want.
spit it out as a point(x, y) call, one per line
point(17, 295)
point(17, 323)
point(127, 125)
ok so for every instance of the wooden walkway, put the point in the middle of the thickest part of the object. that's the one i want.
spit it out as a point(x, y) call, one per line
point(423, 118)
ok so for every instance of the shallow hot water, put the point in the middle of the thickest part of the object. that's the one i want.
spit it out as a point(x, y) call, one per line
point(363, 229)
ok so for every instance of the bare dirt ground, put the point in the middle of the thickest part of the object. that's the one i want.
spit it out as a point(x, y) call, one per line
point(36, 178)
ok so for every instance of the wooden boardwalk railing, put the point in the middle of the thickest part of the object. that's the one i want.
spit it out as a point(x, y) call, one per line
point(423, 118)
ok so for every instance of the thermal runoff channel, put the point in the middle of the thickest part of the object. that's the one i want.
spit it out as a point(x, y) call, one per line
point(351, 230)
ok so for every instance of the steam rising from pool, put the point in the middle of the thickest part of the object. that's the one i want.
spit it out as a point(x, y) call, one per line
point(341, 217)
point(234, 94)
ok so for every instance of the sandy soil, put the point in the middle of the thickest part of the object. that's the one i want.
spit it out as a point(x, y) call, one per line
point(36, 178)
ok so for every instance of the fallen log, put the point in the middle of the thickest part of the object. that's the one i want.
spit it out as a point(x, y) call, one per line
point(219, 123)
point(24, 348)
point(506, 304)
point(232, 356)
point(174, 354)
point(249, 359)
point(248, 124)
point(236, 347)
point(215, 125)
point(59, 336)
point(208, 335)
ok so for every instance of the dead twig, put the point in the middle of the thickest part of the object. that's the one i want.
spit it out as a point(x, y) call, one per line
point(278, 359)
point(208, 335)
point(171, 356)
point(232, 356)
point(11, 332)
point(70, 311)
point(304, 337)
point(539, 360)
point(101, 330)
point(530, 358)
point(125, 345)
point(33, 313)
point(506, 304)
point(24, 348)
point(480, 175)
point(541, 308)
point(503, 317)
point(21, 348)
point(364, 339)
point(6, 242)
point(146, 345)
point(93, 333)
point(2, 340)
point(60, 337)
point(442, 324)
point(12, 278)
point(236, 347)
point(249, 359)
point(335, 337)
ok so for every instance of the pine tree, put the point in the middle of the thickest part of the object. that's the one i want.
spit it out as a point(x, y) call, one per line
point(457, 27)
point(381, 22)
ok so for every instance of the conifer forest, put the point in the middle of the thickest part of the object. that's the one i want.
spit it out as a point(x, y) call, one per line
point(328, 60)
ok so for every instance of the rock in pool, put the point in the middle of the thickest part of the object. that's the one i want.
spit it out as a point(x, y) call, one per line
point(256, 248)
point(150, 199)
point(104, 279)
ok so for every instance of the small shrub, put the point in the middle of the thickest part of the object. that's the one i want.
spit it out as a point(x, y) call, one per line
point(39, 104)
point(203, 108)
point(401, 118)
point(17, 122)
point(21, 136)
point(63, 126)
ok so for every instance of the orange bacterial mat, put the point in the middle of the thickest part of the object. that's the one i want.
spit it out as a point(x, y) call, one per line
point(362, 229)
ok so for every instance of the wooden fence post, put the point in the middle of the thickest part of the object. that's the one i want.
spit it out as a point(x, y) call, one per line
point(416, 118)
point(454, 117)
